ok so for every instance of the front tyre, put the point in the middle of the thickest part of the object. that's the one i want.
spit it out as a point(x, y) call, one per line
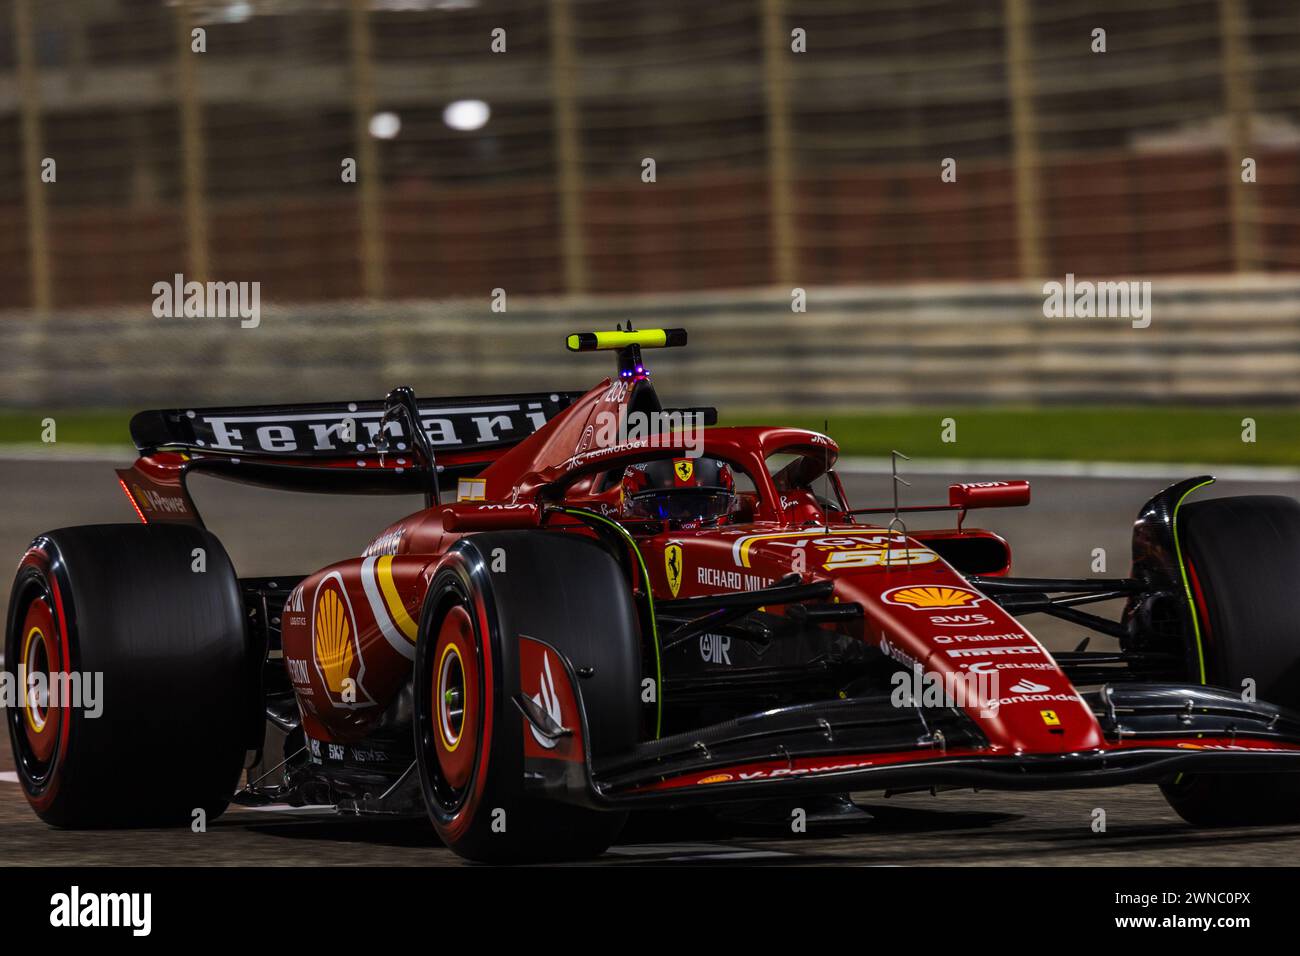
point(469, 735)
point(1242, 560)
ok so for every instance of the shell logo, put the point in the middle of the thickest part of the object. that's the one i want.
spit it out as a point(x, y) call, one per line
point(716, 778)
point(333, 641)
point(931, 597)
point(335, 647)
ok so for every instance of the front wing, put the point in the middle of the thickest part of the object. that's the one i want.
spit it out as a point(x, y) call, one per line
point(1151, 732)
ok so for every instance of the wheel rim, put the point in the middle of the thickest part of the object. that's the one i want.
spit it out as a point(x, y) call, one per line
point(451, 697)
point(455, 699)
point(39, 657)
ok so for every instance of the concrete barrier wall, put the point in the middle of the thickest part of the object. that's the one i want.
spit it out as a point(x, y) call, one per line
point(1210, 341)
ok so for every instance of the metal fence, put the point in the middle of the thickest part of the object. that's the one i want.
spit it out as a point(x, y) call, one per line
point(503, 144)
point(1210, 341)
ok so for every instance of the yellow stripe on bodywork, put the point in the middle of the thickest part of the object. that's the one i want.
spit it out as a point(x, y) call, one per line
point(384, 572)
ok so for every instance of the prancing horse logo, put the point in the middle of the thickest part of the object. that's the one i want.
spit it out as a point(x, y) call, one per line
point(673, 565)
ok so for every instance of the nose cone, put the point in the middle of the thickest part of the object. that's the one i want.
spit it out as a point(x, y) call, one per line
point(958, 647)
point(1038, 716)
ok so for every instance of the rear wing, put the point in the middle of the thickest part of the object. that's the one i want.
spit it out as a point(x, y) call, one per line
point(325, 447)
point(392, 446)
point(346, 429)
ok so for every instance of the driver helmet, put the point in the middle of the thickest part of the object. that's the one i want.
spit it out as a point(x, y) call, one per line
point(688, 492)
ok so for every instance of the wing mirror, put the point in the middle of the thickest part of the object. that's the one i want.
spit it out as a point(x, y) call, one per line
point(989, 494)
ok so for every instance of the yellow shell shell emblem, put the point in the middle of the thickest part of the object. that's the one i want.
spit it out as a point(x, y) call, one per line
point(333, 641)
point(931, 597)
point(684, 468)
point(673, 567)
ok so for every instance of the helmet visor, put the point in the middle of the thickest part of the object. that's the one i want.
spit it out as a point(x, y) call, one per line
point(681, 504)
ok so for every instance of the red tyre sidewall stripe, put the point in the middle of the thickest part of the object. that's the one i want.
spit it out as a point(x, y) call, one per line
point(39, 619)
point(468, 811)
point(40, 560)
point(457, 759)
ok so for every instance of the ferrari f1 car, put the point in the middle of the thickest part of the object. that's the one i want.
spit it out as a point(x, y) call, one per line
point(583, 623)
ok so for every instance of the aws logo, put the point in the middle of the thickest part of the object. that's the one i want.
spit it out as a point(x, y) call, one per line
point(336, 646)
point(930, 597)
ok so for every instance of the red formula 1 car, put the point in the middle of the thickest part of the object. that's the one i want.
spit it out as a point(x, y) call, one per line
point(603, 609)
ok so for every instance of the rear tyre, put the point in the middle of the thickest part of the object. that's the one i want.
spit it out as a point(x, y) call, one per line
point(158, 731)
point(561, 589)
point(1242, 557)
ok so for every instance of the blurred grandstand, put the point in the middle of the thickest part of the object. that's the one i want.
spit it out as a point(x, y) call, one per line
point(522, 170)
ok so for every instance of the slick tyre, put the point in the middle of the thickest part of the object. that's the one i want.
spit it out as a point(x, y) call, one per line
point(152, 664)
point(1242, 558)
point(491, 590)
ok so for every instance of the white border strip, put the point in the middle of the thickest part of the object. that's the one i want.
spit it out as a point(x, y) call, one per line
point(68, 451)
point(379, 609)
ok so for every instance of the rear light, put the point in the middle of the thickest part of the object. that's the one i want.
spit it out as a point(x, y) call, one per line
point(131, 498)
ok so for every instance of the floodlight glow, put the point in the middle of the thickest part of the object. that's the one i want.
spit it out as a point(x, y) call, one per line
point(385, 125)
point(466, 114)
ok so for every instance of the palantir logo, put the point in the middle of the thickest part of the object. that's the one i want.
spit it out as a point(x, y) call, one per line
point(76, 909)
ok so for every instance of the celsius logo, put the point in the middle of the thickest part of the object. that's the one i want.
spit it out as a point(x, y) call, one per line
point(76, 909)
point(546, 699)
point(988, 667)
